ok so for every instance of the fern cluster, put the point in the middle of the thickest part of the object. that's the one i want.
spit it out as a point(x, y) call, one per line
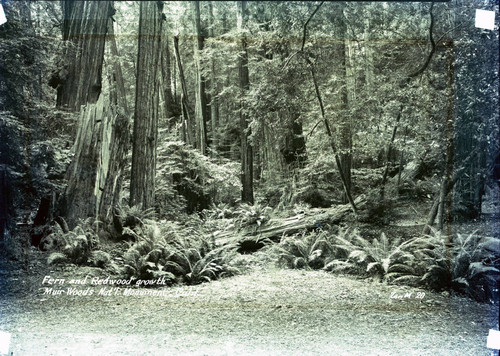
point(468, 264)
point(176, 257)
point(305, 251)
point(248, 215)
point(77, 246)
point(380, 257)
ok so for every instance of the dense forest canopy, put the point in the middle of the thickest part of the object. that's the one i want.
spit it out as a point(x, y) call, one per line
point(185, 110)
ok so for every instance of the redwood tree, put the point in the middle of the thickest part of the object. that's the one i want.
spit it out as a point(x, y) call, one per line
point(85, 25)
point(142, 183)
point(201, 96)
point(85, 28)
point(244, 81)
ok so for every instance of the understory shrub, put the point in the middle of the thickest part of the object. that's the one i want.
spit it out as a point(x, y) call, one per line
point(196, 260)
point(178, 255)
point(380, 257)
point(77, 245)
point(311, 250)
point(248, 215)
point(145, 257)
point(467, 264)
point(129, 221)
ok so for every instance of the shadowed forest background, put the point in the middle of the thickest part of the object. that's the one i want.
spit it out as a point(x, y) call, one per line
point(195, 140)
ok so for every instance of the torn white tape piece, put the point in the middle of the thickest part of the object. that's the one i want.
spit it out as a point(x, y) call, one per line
point(4, 343)
point(485, 19)
point(493, 340)
point(3, 19)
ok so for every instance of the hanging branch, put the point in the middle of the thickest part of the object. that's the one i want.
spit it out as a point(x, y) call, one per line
point(433, 46)
point(304, 36)
point(314, 128)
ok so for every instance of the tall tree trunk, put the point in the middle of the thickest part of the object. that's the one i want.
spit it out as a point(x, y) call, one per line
point(390, 148)
point(79, 200)
point(201, 96)
point(450, 130)
point(116, 139)
point(347, 189)
point(246, 146)
point(142, 183)
point(84, 29)
point(87, 27)
point(368, 51)
point(167, 77)
point(187, 123)
point(214, 89)
point(345, 134)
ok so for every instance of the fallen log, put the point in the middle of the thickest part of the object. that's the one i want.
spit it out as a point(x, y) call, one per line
point(251, 238)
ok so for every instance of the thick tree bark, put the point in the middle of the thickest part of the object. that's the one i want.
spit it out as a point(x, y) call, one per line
point(187, 123)
point(142, 183)
point(116, 137)
point(79, 200)
point(201, 96)
point(246, 146)
point(84, 29)
point(167, 77)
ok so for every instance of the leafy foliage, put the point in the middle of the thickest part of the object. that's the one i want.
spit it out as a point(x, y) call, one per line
point(469, 264)
point(249, 215)
point(143, 260)
point(379, 257)
point(190, 181)
point(198, 261)
point(171, 254)
point(76, 245)
point(307, 250)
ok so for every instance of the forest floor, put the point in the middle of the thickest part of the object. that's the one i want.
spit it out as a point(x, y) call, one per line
point(267, 311)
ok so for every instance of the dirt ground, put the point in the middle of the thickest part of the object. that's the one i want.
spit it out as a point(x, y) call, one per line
point(264, 312)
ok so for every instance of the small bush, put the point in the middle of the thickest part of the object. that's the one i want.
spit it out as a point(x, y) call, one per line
point(99, 259)
point(142, 259)
point(197, 263)
point(56, 258)
point(126, 219)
